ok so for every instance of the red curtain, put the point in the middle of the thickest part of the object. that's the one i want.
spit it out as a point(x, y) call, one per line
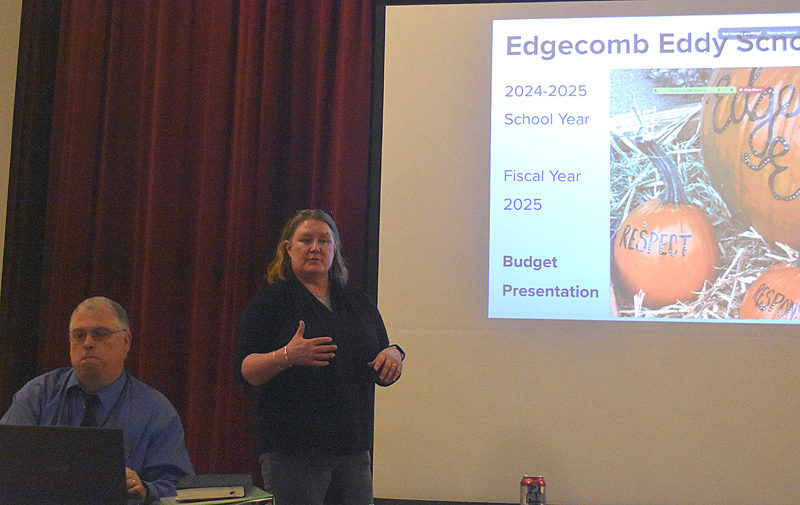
point(184, 134)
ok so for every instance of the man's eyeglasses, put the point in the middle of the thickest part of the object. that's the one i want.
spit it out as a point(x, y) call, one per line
point(98, 334)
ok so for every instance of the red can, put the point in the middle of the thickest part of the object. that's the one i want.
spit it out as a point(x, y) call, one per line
point(531, 490)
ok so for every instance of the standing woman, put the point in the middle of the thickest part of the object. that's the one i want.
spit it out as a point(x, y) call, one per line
point(315, 347)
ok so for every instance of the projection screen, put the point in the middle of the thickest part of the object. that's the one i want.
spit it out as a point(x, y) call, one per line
point(588, 225)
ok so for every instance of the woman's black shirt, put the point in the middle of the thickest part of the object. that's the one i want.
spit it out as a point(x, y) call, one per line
point(309, 410)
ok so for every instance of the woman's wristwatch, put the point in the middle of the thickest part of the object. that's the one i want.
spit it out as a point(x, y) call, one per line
point(402, 352)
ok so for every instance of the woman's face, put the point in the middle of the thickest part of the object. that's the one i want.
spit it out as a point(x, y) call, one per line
point(311, 250)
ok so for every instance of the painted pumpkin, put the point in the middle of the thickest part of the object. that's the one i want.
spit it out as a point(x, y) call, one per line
point(751, 148)
point(665, 247)
point(774, 295)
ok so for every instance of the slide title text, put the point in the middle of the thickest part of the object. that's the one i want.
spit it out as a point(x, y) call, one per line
point(668, 43)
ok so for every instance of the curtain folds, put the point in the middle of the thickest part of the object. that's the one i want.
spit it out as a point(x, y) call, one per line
point(27, 191)
point(184, 133)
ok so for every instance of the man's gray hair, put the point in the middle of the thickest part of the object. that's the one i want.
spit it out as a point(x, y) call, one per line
point(101, 301)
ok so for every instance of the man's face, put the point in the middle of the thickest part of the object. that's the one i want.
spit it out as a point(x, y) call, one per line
point(97, 355)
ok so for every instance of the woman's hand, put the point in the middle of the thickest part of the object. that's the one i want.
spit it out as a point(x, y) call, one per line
point(309, 351)
point(389, 365)
point(258, 368)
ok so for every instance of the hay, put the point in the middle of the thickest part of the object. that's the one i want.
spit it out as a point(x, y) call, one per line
point(744, 254)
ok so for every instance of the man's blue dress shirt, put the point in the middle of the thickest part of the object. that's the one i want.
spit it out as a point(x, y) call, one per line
point(153, 433)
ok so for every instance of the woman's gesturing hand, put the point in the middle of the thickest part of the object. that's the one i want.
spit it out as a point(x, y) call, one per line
point(303, 351)
point(389, 365)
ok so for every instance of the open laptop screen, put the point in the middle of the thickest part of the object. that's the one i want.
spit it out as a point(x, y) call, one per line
point(59, 465)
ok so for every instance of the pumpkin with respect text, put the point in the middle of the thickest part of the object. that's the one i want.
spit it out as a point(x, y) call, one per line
point(751, 147)
point(665, 247)
point(774, 295)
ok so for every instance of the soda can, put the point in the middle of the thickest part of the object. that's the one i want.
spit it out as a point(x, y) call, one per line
point(531, 490)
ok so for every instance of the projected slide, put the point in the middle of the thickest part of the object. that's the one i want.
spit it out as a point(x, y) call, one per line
point(645, 168)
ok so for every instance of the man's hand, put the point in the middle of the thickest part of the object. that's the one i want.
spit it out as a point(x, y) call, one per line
point(136, 488)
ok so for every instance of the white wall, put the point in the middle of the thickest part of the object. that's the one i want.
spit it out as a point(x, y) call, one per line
point(610, 413)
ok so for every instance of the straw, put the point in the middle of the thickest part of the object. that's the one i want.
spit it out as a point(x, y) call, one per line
point(744, 254)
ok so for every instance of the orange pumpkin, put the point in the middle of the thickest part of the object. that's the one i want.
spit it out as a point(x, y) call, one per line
point(774, 295)
point(665, 247)
point(751, 147)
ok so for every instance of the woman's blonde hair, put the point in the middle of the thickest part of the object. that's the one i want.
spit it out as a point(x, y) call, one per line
point(280, 268)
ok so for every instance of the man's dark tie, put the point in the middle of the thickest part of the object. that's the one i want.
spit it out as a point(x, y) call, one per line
point(90, 402)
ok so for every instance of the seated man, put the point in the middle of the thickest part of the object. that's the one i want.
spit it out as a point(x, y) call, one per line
point(98, 391)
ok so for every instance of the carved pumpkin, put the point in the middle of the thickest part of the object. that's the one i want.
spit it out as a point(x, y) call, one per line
point(751, 148)
point(665, 247)
point(774, 295)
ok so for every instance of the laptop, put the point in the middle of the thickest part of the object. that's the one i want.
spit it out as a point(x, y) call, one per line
point(60, 465)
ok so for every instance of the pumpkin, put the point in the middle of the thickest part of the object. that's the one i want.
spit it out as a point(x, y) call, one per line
point(665, 247)
point(774, 295)
point(751, 148)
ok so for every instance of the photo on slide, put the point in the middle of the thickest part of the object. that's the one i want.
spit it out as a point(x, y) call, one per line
point(705, 193)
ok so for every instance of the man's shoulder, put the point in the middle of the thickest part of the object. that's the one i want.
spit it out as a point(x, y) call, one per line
point(30, 402)
point(139, 391)
point(52, 380)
